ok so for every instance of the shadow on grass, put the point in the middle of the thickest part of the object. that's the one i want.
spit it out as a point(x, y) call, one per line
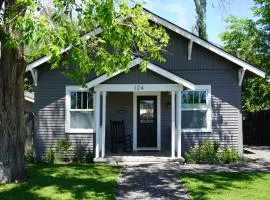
point(200, 185)
point(65, 182)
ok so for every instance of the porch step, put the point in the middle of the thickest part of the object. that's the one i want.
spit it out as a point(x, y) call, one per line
point(137, 160)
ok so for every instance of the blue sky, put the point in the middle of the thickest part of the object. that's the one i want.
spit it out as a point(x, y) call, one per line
point(182, 12)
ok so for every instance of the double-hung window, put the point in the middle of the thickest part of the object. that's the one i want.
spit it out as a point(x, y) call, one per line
point(79, 110)
point(196, 109)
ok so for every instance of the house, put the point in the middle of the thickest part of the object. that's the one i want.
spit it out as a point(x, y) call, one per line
point(195, 95)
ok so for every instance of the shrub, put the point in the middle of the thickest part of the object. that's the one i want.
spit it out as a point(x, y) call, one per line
point(205, 153)
point(89, 158)
point(29, 156)
point(229, 156)
point(79, 154)
point(50, 156)
point(210, 153)
point(63, 148)
point(193, 155)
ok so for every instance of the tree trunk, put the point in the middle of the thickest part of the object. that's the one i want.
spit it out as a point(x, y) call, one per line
point(12, 136)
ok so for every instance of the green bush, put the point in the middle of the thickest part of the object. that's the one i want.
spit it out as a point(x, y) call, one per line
point(229, 155)
point(210, 153)
point(89, 158)
point(79, 153)
point(50, 156)
point(63, 148)
point(29, 156)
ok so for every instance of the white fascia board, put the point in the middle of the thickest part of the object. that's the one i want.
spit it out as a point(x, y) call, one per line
point(206, 45)
point(29, 99)
point(171, 76)
point(150, 66)
point(105, 77)
point(47, 58)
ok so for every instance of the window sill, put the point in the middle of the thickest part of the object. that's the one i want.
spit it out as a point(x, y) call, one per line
point(80, 131)
point(197, 130)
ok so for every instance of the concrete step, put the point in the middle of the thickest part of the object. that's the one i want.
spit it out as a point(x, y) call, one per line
point(138, 160)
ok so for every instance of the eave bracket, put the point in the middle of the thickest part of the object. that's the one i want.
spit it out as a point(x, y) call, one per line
point(190, 45)
point(241, 74)
point(34, 74)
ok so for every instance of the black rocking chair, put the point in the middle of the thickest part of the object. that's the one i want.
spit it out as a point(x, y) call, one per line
point(119, 136)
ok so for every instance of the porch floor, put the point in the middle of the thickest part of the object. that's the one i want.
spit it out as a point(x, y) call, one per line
point(138, 158)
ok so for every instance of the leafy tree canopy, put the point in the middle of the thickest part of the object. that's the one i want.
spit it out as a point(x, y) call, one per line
point(250, 40)
point(46, 29)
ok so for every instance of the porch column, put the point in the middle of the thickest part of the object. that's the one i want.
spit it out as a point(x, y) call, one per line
point(103, 124)
point(178, 123)
point(173, 123)
point(97, 122)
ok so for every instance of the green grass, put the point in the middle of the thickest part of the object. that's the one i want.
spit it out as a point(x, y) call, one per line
point(228, 186)
point(63, 182)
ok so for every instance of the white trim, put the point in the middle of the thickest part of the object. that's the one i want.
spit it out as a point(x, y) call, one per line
point(29, 99)
point(208, 111)
point(150, 66)
point(97, 123)
point(241, 74)
point(103, 136)
point(190, 45)
point(70, 89)
point(34, 73)
point(135, 95)
point(174, 28)
point(173, 124)
point(179, 123)
point(205, 44)
point(137, 87)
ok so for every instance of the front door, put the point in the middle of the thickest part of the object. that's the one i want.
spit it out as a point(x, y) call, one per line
point(147, 122)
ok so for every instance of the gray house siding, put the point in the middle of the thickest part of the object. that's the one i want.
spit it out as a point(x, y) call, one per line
point(50, 113)
point(205, 68)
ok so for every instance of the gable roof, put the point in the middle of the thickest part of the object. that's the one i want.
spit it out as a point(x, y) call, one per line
point(151, 67)
point(194, 38)
point(171, 26)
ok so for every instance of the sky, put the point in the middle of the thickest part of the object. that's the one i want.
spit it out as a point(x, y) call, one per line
point(182, 13)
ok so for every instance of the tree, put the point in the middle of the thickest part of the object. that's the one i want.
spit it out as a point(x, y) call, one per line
point(200, 6)
point(29, 29)
point(250, 40)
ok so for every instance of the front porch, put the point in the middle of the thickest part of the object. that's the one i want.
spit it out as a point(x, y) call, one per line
point(119, 102)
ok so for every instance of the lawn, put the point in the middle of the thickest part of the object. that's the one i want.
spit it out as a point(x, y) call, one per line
point(228, 186)
point(63, 182)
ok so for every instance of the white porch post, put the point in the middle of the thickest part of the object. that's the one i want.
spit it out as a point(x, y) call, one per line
point(103, 124)
point(178, 123)
point(173, 123)
point(97, 124)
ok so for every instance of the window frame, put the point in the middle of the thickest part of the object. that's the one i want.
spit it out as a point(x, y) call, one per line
point(68, 129)
point(208, 109)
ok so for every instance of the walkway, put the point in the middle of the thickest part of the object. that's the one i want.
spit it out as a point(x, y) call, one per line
point(151, 181)
point(161, 180)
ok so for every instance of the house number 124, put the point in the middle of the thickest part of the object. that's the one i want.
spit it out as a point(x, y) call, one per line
point(138, 87)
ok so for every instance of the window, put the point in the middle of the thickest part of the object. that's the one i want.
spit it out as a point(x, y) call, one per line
point(79, 110)
point(196, 109)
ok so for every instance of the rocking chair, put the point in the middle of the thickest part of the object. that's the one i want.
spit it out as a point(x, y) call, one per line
point(119, 136)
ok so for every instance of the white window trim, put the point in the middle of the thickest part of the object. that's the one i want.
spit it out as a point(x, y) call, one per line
point(68, 109)
point(208, 112)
